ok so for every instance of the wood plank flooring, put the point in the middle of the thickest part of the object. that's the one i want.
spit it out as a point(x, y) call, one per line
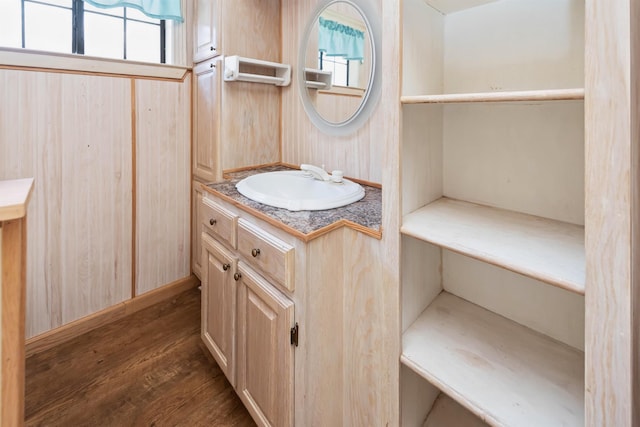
point(148, 369)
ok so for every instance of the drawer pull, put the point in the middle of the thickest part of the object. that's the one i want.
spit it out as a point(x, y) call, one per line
point(212, 221)
point(225, 267)
point(237, 276)
point(255, 252)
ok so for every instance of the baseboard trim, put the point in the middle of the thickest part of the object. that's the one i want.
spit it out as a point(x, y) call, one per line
point(78, 327)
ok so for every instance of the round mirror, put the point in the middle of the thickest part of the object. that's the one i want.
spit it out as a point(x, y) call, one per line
point(338, 65)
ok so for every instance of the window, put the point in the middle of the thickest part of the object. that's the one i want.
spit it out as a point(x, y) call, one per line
point(345, 72)
point(73, 26)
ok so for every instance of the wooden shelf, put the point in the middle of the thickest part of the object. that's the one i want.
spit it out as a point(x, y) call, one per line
point(501, 371)
point(544, 249)
point(448, 412)
point(511, 96)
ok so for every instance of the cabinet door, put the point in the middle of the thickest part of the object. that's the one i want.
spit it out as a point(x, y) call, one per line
point(218, 304)
point(206, 122)
point(265, 353)
point(206, 38)
point(196, 230)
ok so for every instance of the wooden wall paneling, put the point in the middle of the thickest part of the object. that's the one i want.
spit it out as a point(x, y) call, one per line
point(422, 49)
point(322, 400)
point(500, 46)
point(263, 18)
point(163, 185)
point(547, 309)
point(96, 223)
point(250, 125)
point(492, 152)
point(612, 176)
point(367, 334)
point(73, 133)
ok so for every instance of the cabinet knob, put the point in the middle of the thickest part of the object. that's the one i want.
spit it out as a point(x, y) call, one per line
point(225, 267)
point(237, 276)
point(255, 252)
point(212, 221)
point(212, 65)
point(212, 48)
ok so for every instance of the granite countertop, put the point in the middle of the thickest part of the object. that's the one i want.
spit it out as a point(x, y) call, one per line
point(364, 215)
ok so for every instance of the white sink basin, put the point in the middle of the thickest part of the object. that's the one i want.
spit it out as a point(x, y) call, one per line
point(298, 191)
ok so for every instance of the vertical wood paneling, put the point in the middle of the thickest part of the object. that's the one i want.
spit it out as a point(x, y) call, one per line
point(72, 133)
point(163, 185)
point(611, 108)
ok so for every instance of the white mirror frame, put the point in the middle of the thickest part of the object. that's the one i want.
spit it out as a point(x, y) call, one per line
point(372, 91)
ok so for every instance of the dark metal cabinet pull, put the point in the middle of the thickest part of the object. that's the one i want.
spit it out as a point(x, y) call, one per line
point(237, 276)
point(212, 221)
point(225, 267)
point(255, 252)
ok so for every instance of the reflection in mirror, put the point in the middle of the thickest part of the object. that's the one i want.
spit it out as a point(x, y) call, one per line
point(338, 64)
point(339, 44)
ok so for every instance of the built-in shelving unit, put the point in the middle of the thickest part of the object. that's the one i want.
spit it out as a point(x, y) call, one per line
point(493, 170)
point(511, 96)
point(499, 370)
point(541, 248)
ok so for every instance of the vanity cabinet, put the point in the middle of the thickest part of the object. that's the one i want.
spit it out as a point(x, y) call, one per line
point(493, 253)
point(219, 304)
point(265, 352)
point(247, 319)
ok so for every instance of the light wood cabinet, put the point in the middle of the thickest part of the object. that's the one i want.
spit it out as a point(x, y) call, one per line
point(206, 39)
point(206, 120)
point(265, 353)
point(219, 305)
point(235, 124)
point(196, 229)
point(246, 321)
point(493, 253)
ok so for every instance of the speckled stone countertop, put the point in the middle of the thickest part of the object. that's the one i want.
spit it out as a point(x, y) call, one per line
point(364, 215)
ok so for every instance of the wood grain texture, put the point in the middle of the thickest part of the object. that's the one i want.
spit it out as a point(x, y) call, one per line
point(447, 412)
point(543, 249)
point(522, 157)
point(219, 222)
point(196, 229)
point(149, 368)
point(504, 373)
point(162, 193)
point(550, 310)
point(206, 113)
point(611, 108)
point(13, 268)
point(273, 257)
point(265, 363)
point(218, 315)
point(14, 198)
point(511, 96)
point(79, 235)
point(104, 317)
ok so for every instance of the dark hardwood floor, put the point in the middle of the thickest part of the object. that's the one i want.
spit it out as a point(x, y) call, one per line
point(148, 369)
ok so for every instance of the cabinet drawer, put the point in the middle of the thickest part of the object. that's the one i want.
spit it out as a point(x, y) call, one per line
point(218, 221)
point(270, 255)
